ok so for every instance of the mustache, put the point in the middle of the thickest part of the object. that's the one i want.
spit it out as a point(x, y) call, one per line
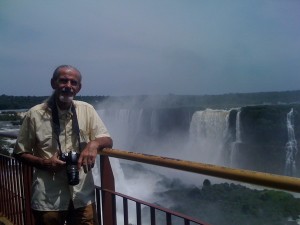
point(67, 91)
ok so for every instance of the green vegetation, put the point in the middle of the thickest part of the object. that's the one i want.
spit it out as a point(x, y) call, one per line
point(9, 116)
point(19, 102)
point(26, 102)
point(218, 204)
point(229, 204)
point(213, 101)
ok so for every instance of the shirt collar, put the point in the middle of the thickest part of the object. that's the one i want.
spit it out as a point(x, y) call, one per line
point(62, 113)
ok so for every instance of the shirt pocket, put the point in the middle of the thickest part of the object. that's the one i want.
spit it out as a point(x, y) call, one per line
point(44, 139)
point(46, 146)
point(84, 138)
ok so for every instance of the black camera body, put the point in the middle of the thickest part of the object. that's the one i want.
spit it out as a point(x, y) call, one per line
point(71, 159)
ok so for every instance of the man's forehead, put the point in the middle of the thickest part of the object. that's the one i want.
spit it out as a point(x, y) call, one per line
point(68, 71)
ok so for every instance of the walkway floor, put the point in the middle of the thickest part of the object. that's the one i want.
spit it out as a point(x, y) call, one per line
point(4, 221)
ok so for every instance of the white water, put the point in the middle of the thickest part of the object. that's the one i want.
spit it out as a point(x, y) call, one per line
point(291, 146)
point(125, 127)
point(208, 131)
point(238, 139)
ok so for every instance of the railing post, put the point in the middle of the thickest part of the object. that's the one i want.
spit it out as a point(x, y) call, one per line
point(107, 182)
point(27, 180)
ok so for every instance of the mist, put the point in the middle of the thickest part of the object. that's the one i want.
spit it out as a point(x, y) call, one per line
point(239, 138)
point(174, 133)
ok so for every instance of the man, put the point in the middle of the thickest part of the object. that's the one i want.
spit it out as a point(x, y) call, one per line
point(52, 130)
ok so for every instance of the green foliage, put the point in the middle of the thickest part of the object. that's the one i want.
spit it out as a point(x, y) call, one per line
point(227, 204)
point(19, 102)
point(26, 102)
point(9, 116)
point(204, 101)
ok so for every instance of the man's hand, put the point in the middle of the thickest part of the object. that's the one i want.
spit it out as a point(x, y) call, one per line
point(88, 156)
point(89, 153)
point(54, 164)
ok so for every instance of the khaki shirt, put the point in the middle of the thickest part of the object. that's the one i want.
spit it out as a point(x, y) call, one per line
point(51, 191)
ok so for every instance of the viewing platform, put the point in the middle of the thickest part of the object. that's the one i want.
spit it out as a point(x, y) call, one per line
point(16, 178)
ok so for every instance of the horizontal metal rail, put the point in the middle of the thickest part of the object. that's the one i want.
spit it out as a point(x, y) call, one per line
point(169, 213)
point(252, 177)
point(247, 176)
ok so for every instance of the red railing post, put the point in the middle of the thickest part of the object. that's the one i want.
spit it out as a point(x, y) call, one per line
point(27, 180)
point(107, 182)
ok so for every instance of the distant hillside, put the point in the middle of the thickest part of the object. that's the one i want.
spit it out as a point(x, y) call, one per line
point(26, 102)
point(225, 101)
point(144, 101)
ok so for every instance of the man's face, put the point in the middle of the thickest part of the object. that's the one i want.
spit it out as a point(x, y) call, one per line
point(67, 85)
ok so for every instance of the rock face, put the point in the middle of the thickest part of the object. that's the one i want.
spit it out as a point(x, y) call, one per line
point(265, 136)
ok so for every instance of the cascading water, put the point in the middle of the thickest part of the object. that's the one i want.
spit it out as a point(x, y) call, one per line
point(137, 129)
point(210, 136)
point(238, 127)
point(208, 131)
point(123, 124)
point(291, 146)
point(126, 128)
point(235, 144)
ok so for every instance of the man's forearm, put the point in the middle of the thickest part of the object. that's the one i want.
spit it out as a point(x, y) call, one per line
point(53, 164)
point(30, 160)
point(104, 142)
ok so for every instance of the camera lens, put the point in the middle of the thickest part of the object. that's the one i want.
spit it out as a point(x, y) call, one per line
point(71, 160)
point(73, 174)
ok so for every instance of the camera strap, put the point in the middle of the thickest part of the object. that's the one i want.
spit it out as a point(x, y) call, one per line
point(56, 125)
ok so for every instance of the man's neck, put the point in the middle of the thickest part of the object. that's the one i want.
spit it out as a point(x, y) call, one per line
point(63, 105)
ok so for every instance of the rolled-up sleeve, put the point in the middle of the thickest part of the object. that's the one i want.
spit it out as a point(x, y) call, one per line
point(25, 141)
point(98, 128)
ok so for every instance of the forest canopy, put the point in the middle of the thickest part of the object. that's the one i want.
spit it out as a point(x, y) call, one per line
point(171, 100)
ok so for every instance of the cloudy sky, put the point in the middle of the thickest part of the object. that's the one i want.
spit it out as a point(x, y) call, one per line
point(133, 47)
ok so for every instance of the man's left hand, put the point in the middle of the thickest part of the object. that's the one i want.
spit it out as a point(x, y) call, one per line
point(88, 156)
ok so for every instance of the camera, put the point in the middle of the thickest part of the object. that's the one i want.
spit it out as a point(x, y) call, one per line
point(71, 159)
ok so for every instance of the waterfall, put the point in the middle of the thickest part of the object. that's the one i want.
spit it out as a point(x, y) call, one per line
point(127, 128)
point(208, 131)
point(238, 127)
point(238, 139)
point(124, 125)
point(291, 146)
point(154, 128)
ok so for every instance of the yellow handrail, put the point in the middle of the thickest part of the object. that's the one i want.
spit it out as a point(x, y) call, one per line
point(247, 176)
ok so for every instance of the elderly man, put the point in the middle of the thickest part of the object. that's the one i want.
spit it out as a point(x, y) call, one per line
point(60, 138)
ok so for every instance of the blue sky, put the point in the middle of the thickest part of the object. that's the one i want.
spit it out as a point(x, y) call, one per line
point(133, 47)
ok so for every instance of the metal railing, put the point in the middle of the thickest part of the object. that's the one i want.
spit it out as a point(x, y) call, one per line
point(16, 178)
point(15, 186)
point(15, 189)
point(247, 176)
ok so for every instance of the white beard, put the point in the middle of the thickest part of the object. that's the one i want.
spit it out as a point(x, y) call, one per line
point(66, 99)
